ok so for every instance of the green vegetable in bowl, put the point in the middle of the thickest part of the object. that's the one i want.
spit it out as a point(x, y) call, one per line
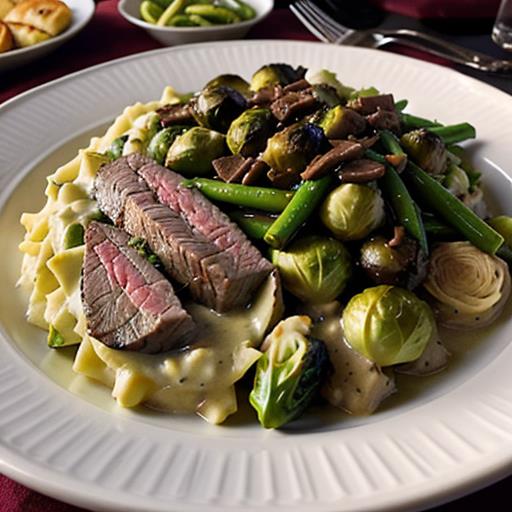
point(388, 325)
point(315, 269)
point(289, 374)
point(352, 211)
point(275, 74)
point(192, 153)
point(216, 108)
point(249, 132)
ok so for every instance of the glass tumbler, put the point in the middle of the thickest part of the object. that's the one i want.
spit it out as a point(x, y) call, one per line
point(502, 30)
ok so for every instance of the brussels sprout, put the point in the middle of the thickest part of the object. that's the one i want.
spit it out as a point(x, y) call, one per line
point(232, 81)
point(293, 148)
point(116, 148)
point(388, 325)
point(216, 108)
point(326, 95)
point(315, 269)
point(329, 78)
point(503, 225)
point(404, 265)
point(427, 149)
point(161, 142)
point(289, 374)
point(352, 211)
point(275, 74)
point(249, 132)
point(456, 180)
point(339, 122)
point(192, 153)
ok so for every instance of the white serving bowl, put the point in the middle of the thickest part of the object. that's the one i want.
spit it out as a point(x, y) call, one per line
point(82, 10)
point(171, 36)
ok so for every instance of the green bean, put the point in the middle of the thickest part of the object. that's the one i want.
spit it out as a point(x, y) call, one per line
point(400, 105)
point(436, 228)
point(454, 133)
point(452, 210)
point(391, 143)
point(150, 11)
point(200, 21)
point(73, 236)
point(162, 3)
point(411, 122)
point(246, 12)
point(261, 198)
point(174, 8)
point(181, 20)
point(213, 13)
point(253, 225)
point(299, 209)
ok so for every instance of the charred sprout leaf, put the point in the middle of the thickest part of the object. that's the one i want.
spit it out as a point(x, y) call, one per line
point(388, 325)
point(275, 74)
point(73, 236)
point(329, 78)
point(116, 148)
point(289, 374)
point(339, 122)
point(315, 269)
point(232, 81)
point(192, 153)
point(402, 265)
point(326, 95)
point(352, 211)
point(291, 149)
point(249, 132)
point(216, 108)
point(162, 141)
point(142, 247)
point(426, 149)
point(456, 180)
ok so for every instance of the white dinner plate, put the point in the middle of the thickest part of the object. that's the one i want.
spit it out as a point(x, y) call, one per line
point(82, 11)
point(63, 435)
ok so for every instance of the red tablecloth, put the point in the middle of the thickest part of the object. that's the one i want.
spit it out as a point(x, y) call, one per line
point(108, 37)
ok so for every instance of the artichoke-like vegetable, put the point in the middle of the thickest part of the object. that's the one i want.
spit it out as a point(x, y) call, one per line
point(469, 288)
point(216, 108)
point(403, 265)
point(192, 153)
point(388, 325)
point(352, 211)
point(275, 74)
point(289, 374)
point(427, 149)
point(235, 82)
point(339, 122)
point(456, 180)
point(292, 148)
point(159, 145)
point(249, 132)
point(315, 269)
point(503, 225)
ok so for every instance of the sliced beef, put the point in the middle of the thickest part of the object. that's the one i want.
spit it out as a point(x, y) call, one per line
point(175, 114)
point(384, 120)
point(255, 172)
point(232, 168)
point(293, 105)
point(369, 104)
point(128, 304)
point(343, 152)
point(265, 96)
point(361, 171)
point(299, 85)
point(197, 244)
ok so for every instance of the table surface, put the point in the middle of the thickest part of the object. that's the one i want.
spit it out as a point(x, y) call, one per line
point(108, 36)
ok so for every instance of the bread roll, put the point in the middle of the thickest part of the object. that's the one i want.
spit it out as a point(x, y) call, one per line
point(50, 16)
point(26, 35)
point(6, 39)
point(5, 7)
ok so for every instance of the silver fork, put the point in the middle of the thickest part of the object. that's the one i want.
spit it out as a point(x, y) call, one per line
point(329, 30)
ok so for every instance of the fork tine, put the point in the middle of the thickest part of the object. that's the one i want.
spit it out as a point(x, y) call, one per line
point(325, 18)
point(314, 23)
point(318, 31)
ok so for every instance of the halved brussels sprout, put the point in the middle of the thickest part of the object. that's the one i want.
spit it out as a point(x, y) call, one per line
point(388, 325)
point(427, 149)
point(159, 145)
point(289, 374)
point(315, 269)
point(339, 122)
point(192, 153)
point(249, 132)
point(274, 74)
point(352, 211)
point(116, 148)
point(293, 148)
point(232, 81)
point(503, 225)
point(324, 76)
point(216, 108)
